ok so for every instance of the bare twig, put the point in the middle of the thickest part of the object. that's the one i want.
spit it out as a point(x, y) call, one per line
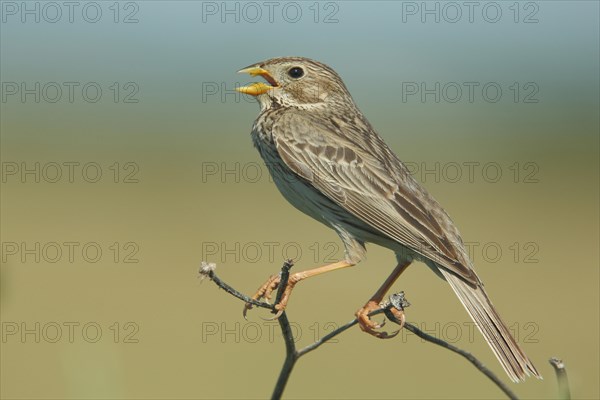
point(293, 354)
point(285, 276)
point(208, 271)
point(564, 392)
point(333, 334)
point(472, 359)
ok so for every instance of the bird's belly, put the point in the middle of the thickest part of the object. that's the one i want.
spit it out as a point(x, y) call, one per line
point(299, 193)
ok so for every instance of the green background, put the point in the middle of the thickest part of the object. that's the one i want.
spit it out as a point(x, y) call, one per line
point(192, 341)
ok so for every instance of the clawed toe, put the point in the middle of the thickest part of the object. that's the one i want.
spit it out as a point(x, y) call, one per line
point(396, 316)
point(265, 293)
point(369, 326)
point(280, 311)
point(247, 307)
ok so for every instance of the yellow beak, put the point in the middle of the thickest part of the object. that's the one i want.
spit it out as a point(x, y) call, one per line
point(257, 88)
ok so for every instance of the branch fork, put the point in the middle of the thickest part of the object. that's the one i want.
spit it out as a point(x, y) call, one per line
point(393, 308)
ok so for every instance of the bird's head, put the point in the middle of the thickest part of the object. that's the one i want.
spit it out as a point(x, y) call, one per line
point(296, 82)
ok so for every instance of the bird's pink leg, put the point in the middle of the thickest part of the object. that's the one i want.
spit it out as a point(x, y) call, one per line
point(266, 290)
point(365, 323)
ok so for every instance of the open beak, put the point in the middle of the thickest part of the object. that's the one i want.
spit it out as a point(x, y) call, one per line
point(257, 88)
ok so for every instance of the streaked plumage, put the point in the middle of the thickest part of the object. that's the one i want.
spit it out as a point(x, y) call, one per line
point(328, 161)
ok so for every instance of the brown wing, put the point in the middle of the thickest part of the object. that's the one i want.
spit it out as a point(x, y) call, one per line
point(366, 179)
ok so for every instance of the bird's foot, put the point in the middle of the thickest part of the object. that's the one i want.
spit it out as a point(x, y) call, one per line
point(266, 291)
point(369, 326)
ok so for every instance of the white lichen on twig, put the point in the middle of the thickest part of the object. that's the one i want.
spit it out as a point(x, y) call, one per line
point(206, 269)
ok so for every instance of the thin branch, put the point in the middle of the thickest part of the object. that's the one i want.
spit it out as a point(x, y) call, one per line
point(292, 354)
point(564, 392)
point(472, 359)
point(208, 271)
point(285, 276)
point(333, 334)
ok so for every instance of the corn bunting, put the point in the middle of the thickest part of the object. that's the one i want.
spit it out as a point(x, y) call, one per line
point(328, 161)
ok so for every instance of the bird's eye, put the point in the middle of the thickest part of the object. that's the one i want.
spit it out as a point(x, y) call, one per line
point(296, 72)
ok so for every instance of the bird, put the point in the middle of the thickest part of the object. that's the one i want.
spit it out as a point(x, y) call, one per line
point(328, 161)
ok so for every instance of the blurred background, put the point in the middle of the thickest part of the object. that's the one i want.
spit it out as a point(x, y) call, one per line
point(127, 160)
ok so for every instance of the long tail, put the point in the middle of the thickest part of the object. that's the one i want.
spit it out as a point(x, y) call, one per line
point(514, 361)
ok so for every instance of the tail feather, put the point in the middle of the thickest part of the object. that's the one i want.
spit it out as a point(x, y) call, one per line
point(514, 361)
